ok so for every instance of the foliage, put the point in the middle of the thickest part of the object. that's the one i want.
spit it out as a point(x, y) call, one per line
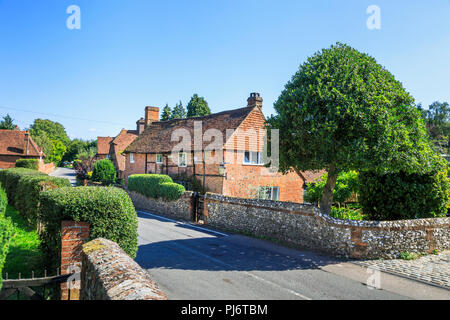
point(397, 196)
point(57, 153)
point(151, 185)
point(9, 179)
point(346, 213)
point(84, 163)
point(191, 183)
point(77, 147)
point(408, 255)
point(197, 107)
point(7, 123)
point(178, 112)
point(24, 254)
point(104, 172)
point(6, 231)
point(27, 163)
point(108, 210)
point(166, 113)
point(346, 186)
point(437, 120)
point(343, 111)
point(27, 195)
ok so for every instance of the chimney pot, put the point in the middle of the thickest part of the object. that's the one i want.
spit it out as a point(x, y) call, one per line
point(255, 100)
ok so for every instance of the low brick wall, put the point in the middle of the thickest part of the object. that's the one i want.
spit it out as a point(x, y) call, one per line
point(108, 273)
point(46, 167)
point(181, 208)
point(305, 226)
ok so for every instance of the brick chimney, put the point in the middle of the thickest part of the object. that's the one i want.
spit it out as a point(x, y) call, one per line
point(27, 142)
point(140, 125)
point(151, 115)
point(255, 100)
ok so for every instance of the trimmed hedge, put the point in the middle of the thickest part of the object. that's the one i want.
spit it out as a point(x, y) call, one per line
point(398, 196)
point(6, 230)
point(28, 163)
point(108, 210)
point(9, 179)
point(155, 186)
point(104, 172)
point(27, 196)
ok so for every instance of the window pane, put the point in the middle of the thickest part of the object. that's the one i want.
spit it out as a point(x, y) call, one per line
point(254, 158)
point(247, 157)
point(275, 193)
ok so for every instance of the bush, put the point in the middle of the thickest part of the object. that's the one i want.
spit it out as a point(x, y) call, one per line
point(27, 196)
point(148, 184)
point(109, 211)
point(171, 191)
point(397, 196)
point(5, 231)
point(104, 172)
point(28, 163)
point(346, 186)
point(9, 179)
point(191, 183)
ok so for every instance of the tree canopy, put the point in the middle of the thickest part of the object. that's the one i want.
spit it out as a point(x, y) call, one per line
point(197, 107)
point(343, 111)
point(179, 112)
point(437, 120)
point(7, 123)
point(166, 114)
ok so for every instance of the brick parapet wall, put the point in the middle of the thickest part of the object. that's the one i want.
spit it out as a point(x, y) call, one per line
point(305, 226)
point(73, 236)
point(108, 273)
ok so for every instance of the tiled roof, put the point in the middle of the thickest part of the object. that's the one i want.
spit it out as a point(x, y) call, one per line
point(311, 176)
point(103, 145)
point(13, 142)
point(156, 138)
point(123, 140)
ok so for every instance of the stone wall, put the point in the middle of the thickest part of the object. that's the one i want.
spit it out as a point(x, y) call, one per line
point(305, 226)
point(108, 273)
point(181, 208)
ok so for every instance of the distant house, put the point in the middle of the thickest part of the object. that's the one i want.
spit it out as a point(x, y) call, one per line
point(14, 145)
point(241, 172)
point(103, 146)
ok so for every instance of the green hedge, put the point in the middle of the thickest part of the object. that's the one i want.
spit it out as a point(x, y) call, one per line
point(27, 196)
point(9, 179)
point(398, 196)
point(148, 185)
point(171, 191)
point(28, 163)
point(6, 229)
point(108, 210)
point(104, 172)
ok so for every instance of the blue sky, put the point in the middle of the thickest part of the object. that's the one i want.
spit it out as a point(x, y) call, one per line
point(133, 53)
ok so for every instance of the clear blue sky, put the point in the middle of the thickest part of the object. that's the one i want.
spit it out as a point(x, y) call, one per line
point(133, 53)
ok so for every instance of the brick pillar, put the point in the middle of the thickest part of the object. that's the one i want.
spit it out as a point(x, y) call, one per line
point(74, 235)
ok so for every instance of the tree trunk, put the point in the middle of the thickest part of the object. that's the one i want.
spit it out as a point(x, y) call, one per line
point(327, 196)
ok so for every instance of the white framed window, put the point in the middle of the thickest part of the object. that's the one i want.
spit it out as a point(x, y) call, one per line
point(182, 159)
point(252, 157)
point(269, 193)
point(131, 157)
point(159, 158)
point(108, 156)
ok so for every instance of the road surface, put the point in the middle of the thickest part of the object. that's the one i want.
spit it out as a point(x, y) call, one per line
point(191, 262)
point(65, 173)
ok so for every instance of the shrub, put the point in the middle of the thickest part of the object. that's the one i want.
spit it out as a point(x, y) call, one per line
point(27, 196)
point(109, 211)
point(104, 172)
point(9, 179)
point(5, 231)
point(346, 186)
point(28, 163)
point(346, 213)
point(148, 184)
point(397, 196)
point(191, 183)
point(171, 191)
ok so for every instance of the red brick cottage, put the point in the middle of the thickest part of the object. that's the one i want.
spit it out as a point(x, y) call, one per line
point(14, 145)
point(233, 167)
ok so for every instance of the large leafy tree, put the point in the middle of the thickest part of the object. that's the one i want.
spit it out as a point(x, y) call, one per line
point(76, 147)
point(197, 107)
point(7, 123)
point(166, 114)
point(343, 111)
point(437, 120)
point(178, 112)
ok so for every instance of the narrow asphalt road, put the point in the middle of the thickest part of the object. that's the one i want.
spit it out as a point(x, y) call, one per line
point(190, 262)
point(65, 173)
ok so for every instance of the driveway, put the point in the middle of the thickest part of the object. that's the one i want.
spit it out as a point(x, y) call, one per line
point(65, 173)
point(192, 262)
